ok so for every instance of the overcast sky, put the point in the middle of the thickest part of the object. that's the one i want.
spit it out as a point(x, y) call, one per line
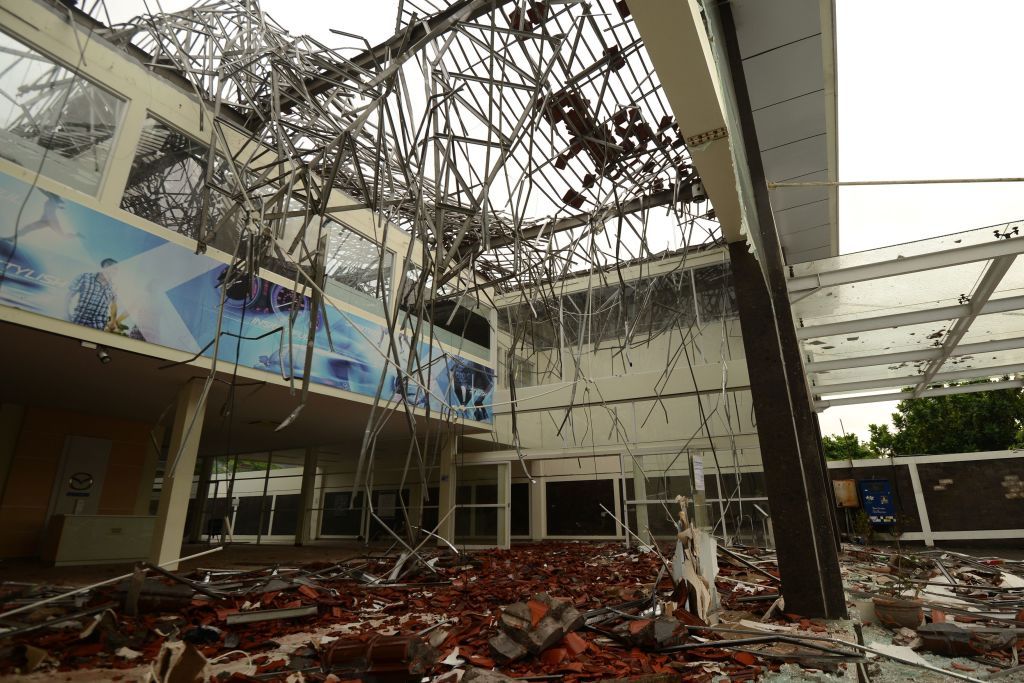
point(927, 89)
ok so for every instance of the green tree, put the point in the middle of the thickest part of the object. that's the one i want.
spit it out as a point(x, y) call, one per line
point(846, 447)
point(958, 423)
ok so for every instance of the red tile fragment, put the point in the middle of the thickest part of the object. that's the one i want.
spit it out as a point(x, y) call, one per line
point(638, 625)
point(537, 611)
point(481, 661)
point(574, 644)
point(223, 612)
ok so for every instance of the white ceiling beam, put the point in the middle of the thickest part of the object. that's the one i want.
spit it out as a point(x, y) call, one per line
point(674, 35)
point(986, 287)
point(901, 395)
point(910, 380)
point(931, 315)
point(913, 356)
point(908, 264)
point(827, 10)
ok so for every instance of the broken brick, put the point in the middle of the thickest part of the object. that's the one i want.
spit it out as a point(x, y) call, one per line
point(505, 649)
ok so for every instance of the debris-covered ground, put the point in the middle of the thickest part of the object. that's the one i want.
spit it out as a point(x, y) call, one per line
point(549, 611)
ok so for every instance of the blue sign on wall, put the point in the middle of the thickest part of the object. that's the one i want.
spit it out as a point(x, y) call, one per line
point(876, 498)
point(69, 262)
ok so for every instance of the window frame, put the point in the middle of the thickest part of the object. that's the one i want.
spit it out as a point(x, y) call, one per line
point(116, 138)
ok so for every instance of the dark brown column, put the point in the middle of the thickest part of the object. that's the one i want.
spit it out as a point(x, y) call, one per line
point(793, 465)
point(801, 508)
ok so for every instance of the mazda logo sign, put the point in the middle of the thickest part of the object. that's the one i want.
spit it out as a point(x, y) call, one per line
point(80, 481)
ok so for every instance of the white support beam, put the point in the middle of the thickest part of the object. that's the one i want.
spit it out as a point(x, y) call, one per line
point(980, 535)
point(989, 281)
point(909, 264)
point(675, 37)
point(186, 433)
point(828, 62)
point(913, 356)
point(911, 380)
point(928, 393)
point(922, 507)
point(931, 315)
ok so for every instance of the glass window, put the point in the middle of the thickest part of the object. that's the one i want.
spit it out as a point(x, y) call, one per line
point(647, 306)
point(286, 514)
point(52, 120)
point(338, 519)
point(478, 486)
point(520, 521)
point(534, 332)
point(414, 278)
point(753, 485)
point(167, 183)
point(430, 515)
point(389, 509)
point(661, 519)
point(458, 321)
point(716, 296)
point(608, 314)
point(252, 515)
point(536, 325)
point(573, 507)
point(575, 319)
point(661, 487)
point(710, 486)
point(476, 525)
point(355, 270)
point(662, 303)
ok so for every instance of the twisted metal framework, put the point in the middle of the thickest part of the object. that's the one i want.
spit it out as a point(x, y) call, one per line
point(517, 143)
point(499, 134)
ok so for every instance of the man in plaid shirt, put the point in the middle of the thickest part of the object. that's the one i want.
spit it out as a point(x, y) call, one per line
point(95, 294)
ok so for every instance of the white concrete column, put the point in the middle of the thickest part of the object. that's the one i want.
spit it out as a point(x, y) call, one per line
point(922, 510)
point(537, 503)
point(446, 491)
point(639, 493)
point(148, 474)
point(305, 532)
point(701, 513)
point(505, 501)
point(127, 139)
point(169, 530)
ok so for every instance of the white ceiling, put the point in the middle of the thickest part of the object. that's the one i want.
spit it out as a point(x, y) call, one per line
point(56, 372)
point(785, 66)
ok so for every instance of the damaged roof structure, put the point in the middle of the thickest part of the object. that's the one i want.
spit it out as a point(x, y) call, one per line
point(509, 328)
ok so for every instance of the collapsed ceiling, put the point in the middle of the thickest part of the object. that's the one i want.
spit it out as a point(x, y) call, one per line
point(519, 145)
point(517, 141)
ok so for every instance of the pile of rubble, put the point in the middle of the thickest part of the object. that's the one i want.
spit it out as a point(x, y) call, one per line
point(964, 612)
point(572, 611)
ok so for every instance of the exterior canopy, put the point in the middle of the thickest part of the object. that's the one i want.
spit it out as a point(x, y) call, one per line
point(914, 317)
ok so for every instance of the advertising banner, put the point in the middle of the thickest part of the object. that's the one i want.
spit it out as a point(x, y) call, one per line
point(72, 263)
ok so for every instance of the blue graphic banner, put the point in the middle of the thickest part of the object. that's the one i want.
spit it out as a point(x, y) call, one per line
point(72, 263)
